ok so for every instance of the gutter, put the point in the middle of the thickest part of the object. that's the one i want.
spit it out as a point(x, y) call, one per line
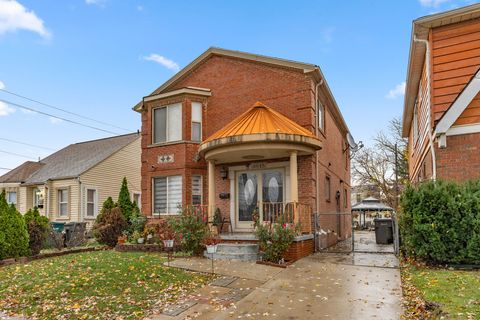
point(430, 132)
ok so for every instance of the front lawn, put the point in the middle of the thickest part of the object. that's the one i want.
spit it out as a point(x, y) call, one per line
point(456, 292)
point(93, 285)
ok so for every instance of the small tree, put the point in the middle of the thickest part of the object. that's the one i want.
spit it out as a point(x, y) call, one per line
point(109, 226)
point(124, 202)
point(38, 228)
point(137, 220)
point(13, 231)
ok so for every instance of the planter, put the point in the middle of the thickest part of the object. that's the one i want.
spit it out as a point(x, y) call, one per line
point(212, 248)
point(140, 240)
point(168, 243)
point(121, 239)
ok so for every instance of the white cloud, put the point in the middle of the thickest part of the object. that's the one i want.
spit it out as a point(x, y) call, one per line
point(432, 3)
point(167, 63)
point(5, 109)
point(2, 85)
point(14, 16)
point(55, 120)
point(100, 3)
point(398, 91)
point(326, 34)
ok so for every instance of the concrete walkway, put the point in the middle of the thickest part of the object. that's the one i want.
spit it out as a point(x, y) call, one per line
point(317, 287)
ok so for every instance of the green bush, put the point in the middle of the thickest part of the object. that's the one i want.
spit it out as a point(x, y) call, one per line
point(38, 228)
point(440, 222)
point(13, 231)
point(124, 202)
point(274, 239)
point(190, 228)
point(137, 220)
point(109, 226)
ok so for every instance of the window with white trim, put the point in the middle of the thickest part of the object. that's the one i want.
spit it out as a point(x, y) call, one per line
point(136, 198)
point(91, 205)
point(196, 190)
point(12, 197)
point(196, 121)
point(321, 116)
point(167, 123)
point(37, 198)
point(62, 202)
point(167, 194)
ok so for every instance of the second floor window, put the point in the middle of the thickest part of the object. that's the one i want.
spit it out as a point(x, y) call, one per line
point(321, 116)
point(196, 121)
point(167, 123)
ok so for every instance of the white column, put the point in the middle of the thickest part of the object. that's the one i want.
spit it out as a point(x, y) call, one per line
point(293, 177)
point(211, 189)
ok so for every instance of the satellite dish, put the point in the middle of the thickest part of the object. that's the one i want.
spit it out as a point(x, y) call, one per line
point(351, 141)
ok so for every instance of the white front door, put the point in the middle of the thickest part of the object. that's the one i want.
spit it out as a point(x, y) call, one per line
point(261, 190)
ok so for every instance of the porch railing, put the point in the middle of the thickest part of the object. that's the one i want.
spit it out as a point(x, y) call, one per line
point(291, 212)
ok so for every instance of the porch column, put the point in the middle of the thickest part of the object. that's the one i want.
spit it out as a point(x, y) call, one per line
point(211, 189)
point(293, 177)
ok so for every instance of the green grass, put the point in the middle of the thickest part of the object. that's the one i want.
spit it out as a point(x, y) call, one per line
point(93, 285)
point(457, 291)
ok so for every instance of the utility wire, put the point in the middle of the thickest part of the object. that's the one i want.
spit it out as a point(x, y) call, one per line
point(2, 168)
point(17, 154)
point(64, 110)
point(27, 144)
point(57, 117)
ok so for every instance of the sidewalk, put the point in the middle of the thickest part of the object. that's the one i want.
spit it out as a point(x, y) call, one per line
point(312, 288)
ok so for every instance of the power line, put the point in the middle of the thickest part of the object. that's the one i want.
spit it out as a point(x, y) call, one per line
point(27, 144)
point(17, 154)
point(2, 168)
point(57, 117)
point(64, 110)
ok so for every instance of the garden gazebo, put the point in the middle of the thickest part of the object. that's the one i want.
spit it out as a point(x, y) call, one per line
point(368, 205)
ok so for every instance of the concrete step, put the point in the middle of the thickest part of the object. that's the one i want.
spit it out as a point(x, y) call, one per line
point(230, 251)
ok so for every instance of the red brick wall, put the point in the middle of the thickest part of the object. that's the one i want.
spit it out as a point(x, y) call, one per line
point(236, 85)
point(460, 160)
point(299, 249)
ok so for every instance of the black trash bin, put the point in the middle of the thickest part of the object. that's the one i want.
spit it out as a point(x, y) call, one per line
point(383, 230)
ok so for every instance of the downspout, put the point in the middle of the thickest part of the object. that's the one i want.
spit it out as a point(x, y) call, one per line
point(430, 133)
point(317, 202)
point(80, 205)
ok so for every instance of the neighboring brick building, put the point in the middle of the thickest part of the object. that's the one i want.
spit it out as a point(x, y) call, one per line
point(206, 140)
point(441, 116)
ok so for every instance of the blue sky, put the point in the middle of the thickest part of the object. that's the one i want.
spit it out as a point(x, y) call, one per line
point(98, 58)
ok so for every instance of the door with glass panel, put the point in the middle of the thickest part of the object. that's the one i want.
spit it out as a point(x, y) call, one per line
point(258, 190)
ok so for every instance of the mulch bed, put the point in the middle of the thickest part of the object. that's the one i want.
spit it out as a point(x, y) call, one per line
point(7, 262)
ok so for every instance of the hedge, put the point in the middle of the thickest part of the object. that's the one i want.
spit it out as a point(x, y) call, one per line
point(440, 222)
point(13, 231)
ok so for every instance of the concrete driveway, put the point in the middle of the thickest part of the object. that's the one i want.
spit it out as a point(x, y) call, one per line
point(322, 286)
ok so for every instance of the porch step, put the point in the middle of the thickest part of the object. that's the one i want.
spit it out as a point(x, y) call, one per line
point(238, 236)
point(229, 251)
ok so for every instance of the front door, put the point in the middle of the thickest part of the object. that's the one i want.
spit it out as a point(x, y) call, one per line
point(258, 190)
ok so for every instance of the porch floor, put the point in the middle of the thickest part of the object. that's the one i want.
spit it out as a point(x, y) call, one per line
point(238, 236)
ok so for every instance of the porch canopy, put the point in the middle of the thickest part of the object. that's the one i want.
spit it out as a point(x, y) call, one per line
point(260, 133)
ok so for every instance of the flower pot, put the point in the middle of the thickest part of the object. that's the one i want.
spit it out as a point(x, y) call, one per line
point(121, 240)
point(212, 248)
point(140, 240)
point(168, 243)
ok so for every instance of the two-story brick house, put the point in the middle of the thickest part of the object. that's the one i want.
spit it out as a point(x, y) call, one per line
point(238, 131)
point(441, 116)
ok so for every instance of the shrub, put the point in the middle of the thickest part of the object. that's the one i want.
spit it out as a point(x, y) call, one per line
point(440, 222)
point(137, 220)
point(38, 228)
point(13, 231)
point(109, 226)
point(124, 202)
point(190, 227)
point(274, 239)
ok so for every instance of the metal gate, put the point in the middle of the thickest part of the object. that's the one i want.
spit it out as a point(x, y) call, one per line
point(340, 232)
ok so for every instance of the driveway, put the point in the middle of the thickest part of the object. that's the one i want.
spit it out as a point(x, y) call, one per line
point(322, 286)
